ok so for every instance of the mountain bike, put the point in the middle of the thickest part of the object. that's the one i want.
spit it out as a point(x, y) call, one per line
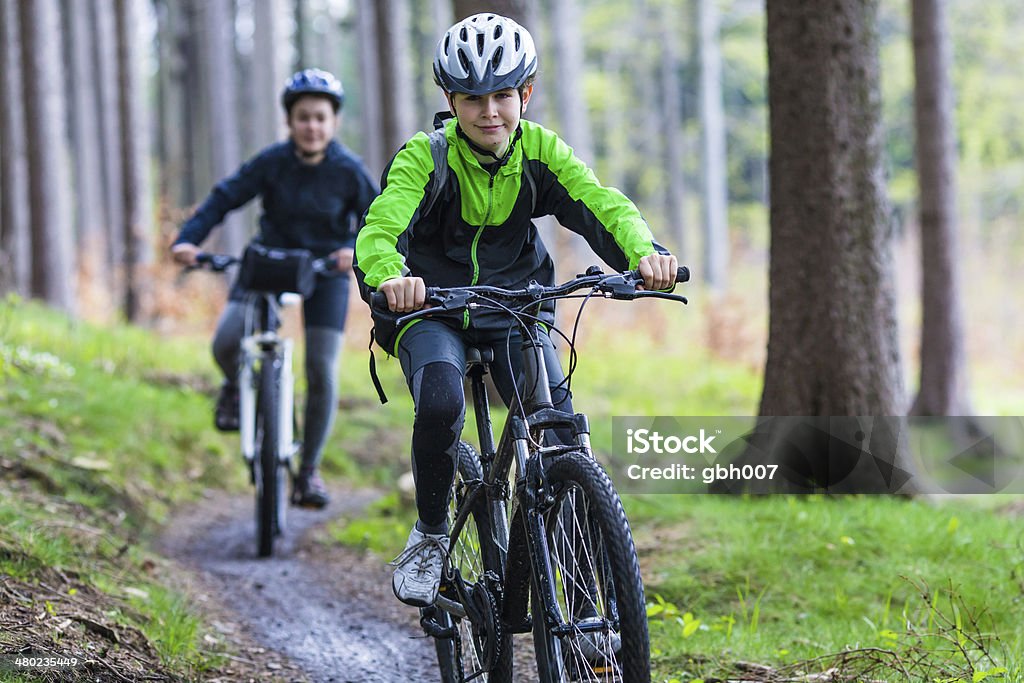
point(266, 388)
point(548, 550)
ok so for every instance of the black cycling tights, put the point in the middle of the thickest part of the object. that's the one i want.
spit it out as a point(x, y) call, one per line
point(440, 412)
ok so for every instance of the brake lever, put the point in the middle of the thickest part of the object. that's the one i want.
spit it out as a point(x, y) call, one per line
point(444, 302)
point(644, 294)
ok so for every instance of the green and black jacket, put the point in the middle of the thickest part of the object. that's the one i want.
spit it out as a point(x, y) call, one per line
point(479, 229)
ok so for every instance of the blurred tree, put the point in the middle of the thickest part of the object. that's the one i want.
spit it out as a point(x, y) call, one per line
point(49, 189)
point(172, 146)
point(832, 347)
point(943, 388)
point(217, 62)
point(90, 220)
point(672, 91)
point(514, 9)
point(269, 72)
point(137, 226)
point(567, 53)
point(104, 62)
point(370, 104)
point(713, 157)
point(302, 47)
point(397, 109)
point(15, 234)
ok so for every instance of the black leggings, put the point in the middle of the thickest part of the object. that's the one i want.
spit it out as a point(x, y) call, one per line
point(433, 359)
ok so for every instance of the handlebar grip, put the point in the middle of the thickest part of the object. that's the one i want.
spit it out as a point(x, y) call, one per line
point(683, 274)
point(379, 300)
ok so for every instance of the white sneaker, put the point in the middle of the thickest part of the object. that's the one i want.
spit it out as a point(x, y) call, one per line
point(597, 645)
point(418, 568)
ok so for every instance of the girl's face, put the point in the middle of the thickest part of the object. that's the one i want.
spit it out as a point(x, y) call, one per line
point(490, 120)
point(312, 124)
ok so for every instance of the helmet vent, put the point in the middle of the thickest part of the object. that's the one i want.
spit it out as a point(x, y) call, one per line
point(463, 60)
point(480, 44)
point(463, 34)
point(497, 31)
point(496, 59)
point(447, 44)
point(517, 41)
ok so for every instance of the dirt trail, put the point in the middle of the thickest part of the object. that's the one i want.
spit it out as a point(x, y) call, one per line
point(326, 611)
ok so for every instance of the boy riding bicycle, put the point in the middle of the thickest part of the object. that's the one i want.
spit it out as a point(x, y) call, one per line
point(500, 172)
point(314, 191)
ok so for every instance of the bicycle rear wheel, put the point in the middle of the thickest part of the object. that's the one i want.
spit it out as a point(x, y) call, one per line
point(473, 646)
point(598, 592)
point(271, 479)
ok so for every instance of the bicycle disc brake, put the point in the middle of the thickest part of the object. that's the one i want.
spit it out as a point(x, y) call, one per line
point(485, 596)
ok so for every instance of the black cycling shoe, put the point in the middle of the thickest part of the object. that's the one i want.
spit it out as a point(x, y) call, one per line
point(225, 415)
point(309, 491)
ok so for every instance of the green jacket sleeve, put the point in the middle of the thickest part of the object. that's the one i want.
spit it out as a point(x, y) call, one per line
point(394, 211)
point(608, 220)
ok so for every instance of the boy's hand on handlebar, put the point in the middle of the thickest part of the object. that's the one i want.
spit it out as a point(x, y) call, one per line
point(658, 271)
point(185, 253)
point(404, 294)
point(343, 259)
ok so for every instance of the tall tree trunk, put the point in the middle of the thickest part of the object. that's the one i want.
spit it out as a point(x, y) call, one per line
point(514, 9)
point(270, 70)
point(712, 118)
point(302, 56)
point(370, 103)
point(197, 119)
point(569, 95)
point(137, 226)
point(672, 91)
point(53, 263)
point(832, 347)
point(397, 107)
point(943, 389)
point(216, 21)
point(15, 231)
point(172, 27)
point(105, 61)
point(95, 281)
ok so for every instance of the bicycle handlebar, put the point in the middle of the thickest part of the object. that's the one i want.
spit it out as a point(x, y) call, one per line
point(621, 286)
point(218, 263)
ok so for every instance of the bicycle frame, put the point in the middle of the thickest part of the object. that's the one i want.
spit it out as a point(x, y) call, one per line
point(516, 445)
point(260, 343)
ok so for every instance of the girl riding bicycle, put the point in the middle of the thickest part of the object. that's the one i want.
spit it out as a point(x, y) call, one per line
point(499, 171)
point(314, 192)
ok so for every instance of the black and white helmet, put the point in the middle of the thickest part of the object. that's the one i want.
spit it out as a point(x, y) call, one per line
point(484, 53)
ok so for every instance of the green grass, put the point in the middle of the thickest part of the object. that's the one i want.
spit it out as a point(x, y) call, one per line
point(781, 579)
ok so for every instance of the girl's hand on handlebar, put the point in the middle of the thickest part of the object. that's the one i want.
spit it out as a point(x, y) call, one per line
point(185, 253)
point(658, 271)
point(404, 294)
point(343, 259)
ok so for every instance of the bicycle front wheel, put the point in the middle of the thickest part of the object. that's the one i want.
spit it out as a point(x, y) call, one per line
point(474, 648)
point(601, 630)
point(271, 497)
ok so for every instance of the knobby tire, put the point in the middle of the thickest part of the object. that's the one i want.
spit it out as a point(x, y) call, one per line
point(594, 562)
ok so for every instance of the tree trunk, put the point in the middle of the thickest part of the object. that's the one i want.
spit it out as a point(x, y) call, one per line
point(137, 227)
point(15, 232)
point(105, 65)
point(397, 109)
point(172, 27)
point(370, 74)
point(712, 119)
point(832, 348)
point(53, 263)
point(672, 91)
point(514, 9)
point(216, 21)
point(301, 9)
point(569, 95)
point(943, 389)
point(95, 279)
point(270, 71)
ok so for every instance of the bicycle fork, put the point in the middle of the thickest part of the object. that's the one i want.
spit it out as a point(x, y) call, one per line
point(272, 350)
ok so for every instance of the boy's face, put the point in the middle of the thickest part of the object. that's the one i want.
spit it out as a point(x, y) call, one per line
point(312, 124)
point(490, 120)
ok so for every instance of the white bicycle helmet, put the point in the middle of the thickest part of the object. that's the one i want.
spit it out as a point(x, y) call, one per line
point(484, 53)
